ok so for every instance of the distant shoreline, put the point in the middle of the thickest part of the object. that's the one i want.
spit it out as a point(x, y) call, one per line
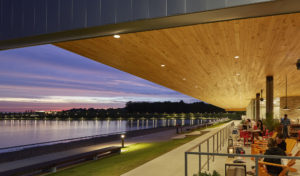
point(83, 119)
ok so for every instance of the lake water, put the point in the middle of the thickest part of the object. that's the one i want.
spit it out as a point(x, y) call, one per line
point(22, 132)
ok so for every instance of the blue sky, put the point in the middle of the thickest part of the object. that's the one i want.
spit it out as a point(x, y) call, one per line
point(49, 78)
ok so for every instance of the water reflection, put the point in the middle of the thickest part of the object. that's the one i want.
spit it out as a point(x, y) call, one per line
point(21, 132)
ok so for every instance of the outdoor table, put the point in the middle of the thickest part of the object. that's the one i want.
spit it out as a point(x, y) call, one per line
point(252, 134)
point(229, 162)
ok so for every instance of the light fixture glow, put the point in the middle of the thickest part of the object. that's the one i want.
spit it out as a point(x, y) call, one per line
point(162, 65)
point(183, 79)
point(122, 136)
point(236, 57)
point(117, 36)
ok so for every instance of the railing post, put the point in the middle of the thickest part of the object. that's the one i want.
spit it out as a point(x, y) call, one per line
point(185, 164)
point(200, 158)
point(214, 147)
point(256, 165)
point(220, 140)
point(223, 137)
point(225, 133)
point(217, 142)
point(208, 155)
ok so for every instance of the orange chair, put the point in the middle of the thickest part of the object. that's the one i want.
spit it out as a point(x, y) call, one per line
point(262, 171)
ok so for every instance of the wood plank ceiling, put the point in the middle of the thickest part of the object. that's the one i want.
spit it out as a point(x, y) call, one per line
point(200, 59)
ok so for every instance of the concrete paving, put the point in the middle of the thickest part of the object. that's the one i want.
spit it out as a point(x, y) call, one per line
point(172, 163)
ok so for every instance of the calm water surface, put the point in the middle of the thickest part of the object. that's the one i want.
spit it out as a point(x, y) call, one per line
point(22, 132)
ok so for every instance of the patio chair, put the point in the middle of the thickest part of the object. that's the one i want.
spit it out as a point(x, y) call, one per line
point(266, 135)
point(274, 134)
point(246, 136)
point(290, 144)
point(263, 171)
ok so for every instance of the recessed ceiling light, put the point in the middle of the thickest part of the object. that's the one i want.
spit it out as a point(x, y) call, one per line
point(117, 36)
point(183, 79)
point(162, 65)
point(236, 57)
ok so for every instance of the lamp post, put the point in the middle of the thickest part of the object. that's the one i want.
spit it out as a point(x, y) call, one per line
point(122, 139)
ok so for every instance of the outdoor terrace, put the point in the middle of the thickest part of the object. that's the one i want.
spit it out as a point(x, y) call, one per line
point(197, 161)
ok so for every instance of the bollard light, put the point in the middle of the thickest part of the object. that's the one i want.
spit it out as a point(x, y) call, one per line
point(122, 138)
point(230, 148)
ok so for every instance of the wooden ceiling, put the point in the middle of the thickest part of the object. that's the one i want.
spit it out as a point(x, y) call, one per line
point(200, 59)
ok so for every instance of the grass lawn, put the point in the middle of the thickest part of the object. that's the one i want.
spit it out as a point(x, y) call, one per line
point(130, 158)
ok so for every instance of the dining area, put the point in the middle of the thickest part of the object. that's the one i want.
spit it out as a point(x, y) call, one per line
point(256, 139)
point(248, 152)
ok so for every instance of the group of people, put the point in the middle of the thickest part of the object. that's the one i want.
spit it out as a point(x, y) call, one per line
point(285, 123)
point(258, 126)
point(275, 146)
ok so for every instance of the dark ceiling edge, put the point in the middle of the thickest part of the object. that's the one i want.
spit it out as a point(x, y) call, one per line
point(277, 7)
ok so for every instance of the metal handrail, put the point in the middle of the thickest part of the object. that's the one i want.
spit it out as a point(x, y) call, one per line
point(208, 138)
point(222, 133)
point(257, 157)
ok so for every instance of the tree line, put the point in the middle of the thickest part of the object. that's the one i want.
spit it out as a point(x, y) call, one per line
point(133, 110)
point(172, 107)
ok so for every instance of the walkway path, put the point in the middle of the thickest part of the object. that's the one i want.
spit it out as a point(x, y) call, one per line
point(171, 163)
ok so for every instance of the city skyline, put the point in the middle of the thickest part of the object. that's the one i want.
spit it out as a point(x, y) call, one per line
point(50, 78)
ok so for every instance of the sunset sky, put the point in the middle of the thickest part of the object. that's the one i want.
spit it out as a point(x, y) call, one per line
point(49, 78)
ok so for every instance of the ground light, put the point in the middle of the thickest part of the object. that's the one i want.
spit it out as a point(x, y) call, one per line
point(117, 36)
point(122, 140)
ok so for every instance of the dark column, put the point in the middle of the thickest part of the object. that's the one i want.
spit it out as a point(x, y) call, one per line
point(269, 92)
point(257, 107)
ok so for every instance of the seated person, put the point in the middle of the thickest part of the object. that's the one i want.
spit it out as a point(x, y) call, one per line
point(273, 149)
point(280, 141)
point(259, 126)
point(247, 124)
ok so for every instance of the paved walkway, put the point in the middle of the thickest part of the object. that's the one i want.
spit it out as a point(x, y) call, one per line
point(153, 137)
point(171, 163)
